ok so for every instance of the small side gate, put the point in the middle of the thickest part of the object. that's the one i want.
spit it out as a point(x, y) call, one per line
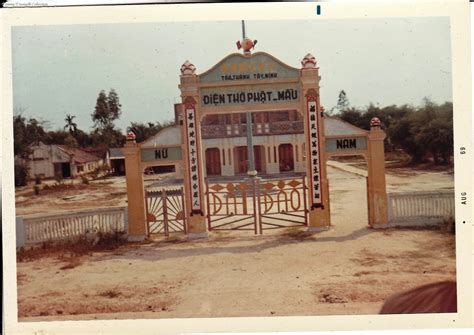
point(165, 212)
point(257, 205)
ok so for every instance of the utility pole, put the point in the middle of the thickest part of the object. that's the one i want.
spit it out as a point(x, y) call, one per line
point(251, 166)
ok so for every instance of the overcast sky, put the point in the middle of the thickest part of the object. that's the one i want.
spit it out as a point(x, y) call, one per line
point(60, 70)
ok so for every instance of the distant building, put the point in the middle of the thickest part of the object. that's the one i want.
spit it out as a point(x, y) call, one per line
point(278, 138)
point(116, 160)
point(49, 161)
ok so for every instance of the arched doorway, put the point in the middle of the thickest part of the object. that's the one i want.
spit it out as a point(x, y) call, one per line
point(286, 159)
point(213, 162)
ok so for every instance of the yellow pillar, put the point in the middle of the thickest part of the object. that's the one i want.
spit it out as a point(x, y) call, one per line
point(319, 216)
point(195, 214)
point(376, 187)
point(137, 229)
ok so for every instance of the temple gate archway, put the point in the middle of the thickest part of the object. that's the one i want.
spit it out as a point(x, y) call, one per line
point(256, 83)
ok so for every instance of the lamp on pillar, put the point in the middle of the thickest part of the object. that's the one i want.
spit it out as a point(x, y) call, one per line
point(131, 138)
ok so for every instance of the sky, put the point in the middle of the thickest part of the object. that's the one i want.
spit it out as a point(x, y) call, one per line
point(59, 70)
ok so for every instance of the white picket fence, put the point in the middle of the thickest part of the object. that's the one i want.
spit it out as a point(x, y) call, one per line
point(34, 229)
point(420, 208)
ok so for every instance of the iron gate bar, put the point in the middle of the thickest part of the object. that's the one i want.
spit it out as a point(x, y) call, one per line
point(165, 213)
point(275, 203)
point(254, 194)
point(222, 205)
point(281, 216)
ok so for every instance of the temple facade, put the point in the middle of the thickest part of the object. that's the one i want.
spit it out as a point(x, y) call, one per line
point(278, 140)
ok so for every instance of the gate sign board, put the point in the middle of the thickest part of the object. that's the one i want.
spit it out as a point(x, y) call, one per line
point(237, 67)
point(257, 94)
point(314, 153)
point(161, 154)
point(345, 144)
point(193, 158)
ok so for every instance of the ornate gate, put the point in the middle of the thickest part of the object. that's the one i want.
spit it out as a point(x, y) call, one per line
point(165, 212)
point(282, 204)
point(231, 206)
point(257, 205)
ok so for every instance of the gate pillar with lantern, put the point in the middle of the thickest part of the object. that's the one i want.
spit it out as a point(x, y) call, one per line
point(193, 155)
point(319, 216)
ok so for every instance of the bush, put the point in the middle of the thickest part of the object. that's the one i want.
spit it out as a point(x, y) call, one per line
point(59, 179)
point(425, 133)
point(85, 180)
point(21, 174)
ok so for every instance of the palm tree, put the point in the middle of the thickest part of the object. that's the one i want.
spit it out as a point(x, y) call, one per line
point(70, 124)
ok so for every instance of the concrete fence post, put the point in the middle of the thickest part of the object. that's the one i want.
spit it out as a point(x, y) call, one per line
point(20, 232)
point(125, 220)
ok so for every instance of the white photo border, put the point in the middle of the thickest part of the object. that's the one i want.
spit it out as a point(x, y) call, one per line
point(457, 11)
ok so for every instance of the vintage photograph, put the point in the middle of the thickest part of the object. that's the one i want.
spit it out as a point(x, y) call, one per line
point(234, 168)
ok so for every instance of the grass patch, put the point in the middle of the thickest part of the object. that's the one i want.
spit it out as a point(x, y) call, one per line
point(71, 263)
point(110, 293)
point(68, 250)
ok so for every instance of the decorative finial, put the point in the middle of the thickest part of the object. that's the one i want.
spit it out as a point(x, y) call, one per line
point(188, 68)
point(247, 44)
point(131, 136)
point(308, 62)
point(375, 122)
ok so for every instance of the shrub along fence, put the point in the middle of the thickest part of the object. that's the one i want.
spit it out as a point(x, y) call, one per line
point(35, 229)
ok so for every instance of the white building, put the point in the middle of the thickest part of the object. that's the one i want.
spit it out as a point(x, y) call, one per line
point(278, 142)
point(49, 161)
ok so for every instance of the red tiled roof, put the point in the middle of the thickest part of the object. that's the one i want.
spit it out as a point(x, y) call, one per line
point(99, 152)
point(80, 156)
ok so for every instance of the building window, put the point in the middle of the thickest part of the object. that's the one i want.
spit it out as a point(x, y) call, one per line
point(223, 156)
point(230, 156)
point(80, 168)
point(296, 151)
point(274, 154)
point(303, 154)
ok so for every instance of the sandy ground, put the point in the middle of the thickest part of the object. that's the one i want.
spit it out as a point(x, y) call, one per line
point(349, 269)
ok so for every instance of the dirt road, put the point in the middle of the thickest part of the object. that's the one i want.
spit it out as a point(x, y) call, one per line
point(349, 269)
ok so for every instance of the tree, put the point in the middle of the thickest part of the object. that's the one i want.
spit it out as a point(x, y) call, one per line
point(342, 101)
point(56, 137)
point(424, 132)
point(342, 104)
point(107, 138)
point(71, 126)
point(107, 110)
point(101, 115)
point(114, 105)
point(70, 141)
point(83, 139)
point(26, 133)
point(145, 131)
